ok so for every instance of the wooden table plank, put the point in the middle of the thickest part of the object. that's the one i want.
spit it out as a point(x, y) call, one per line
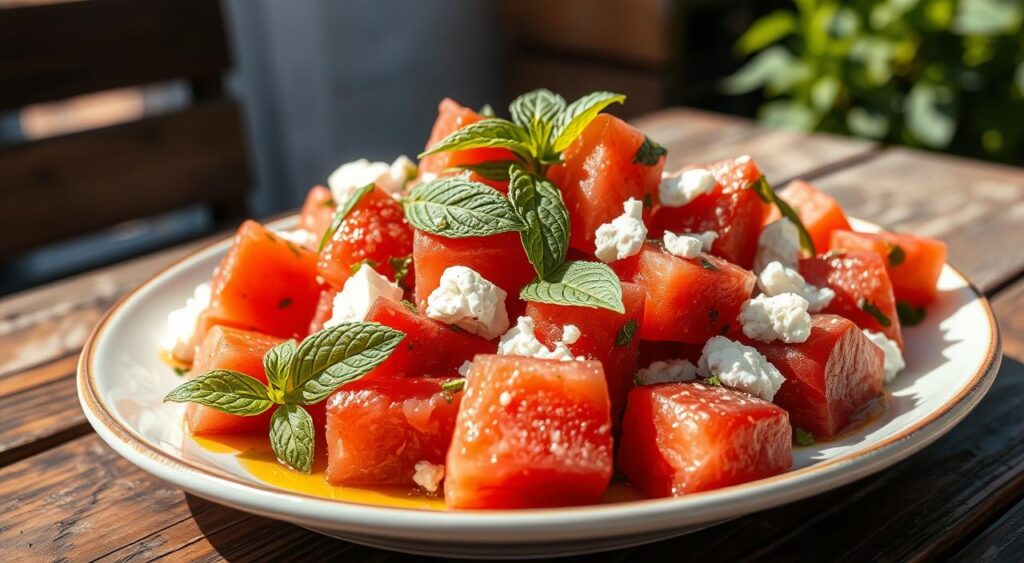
point(1002, 541)
point(975, 207)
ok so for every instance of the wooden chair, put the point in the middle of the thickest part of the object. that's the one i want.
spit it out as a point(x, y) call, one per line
point(60, 187)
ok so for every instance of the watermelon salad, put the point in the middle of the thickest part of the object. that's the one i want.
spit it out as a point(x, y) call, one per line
point(537, 308)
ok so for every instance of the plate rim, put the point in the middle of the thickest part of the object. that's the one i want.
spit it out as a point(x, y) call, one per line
point(521, 524)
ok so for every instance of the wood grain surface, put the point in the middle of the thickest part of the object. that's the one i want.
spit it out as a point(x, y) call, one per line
point(64, 495)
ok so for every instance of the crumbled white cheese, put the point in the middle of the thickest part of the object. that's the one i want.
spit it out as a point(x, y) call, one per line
point(571, 334)
point(671, 371)
point(428, 475)
point(707, 239)
point(624, 236)
point(351, 176)
point(521, 340)
point(467, 300)
point(683, 246)
point(776, 279)
point(779, 242)
point(894, 362)
point(465, 367)
point(740, 367)
point(301, 237)
point(181, 324)
point(359, 293)
point(780, 317)
point(679, 190)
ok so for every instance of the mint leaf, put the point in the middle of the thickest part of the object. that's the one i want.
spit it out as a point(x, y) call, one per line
point(575, 118)
point(225, 390)
point(873, 310)
point(649, 153)
point(492, 132)
point(536, 112)
point(896, 255)
point(764, 190)
point(334, 356)
point(276, 362)
point(626, 333)
point(802, 437)
point(539, 203)
point(496, 170)
point(292, 438)
point(343, 212)
point(908, 314)
point(581, 284)
point(457, 208)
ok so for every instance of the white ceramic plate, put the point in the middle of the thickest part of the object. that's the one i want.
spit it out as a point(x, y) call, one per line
point(953, 358)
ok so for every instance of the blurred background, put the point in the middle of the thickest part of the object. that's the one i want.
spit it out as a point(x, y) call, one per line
point(173, 118)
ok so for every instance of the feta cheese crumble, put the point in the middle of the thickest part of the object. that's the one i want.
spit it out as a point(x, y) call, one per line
point(521, 340)
point(358, 294)
point(624, 236)
point(779, 242)
point(181, 324)
point(571, 334)
point(739, 367)
point(677, 191)
point(301, 237)
point(707, 239)
point(781, 317)
point(894, 362)
point(351, 176)
point(428, 475)
point(776, 279)
point(683, 246)
point(671, 371)
point(467, 300)
point(464, 368)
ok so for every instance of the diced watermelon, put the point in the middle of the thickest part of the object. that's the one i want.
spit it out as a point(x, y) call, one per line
point(451, 116)
point(530, 433)
point(863, 291)
point(430, 348)
point(681, 438)
point(829, 378)
point(241, 351)
point(818, 211)
point(914, 263)
point(731, 210)
point(688, 300)
point(377, 430)
point(265, 284)
point(600, 173)
point(605, 336)
point(317, 212)
point(374, 232)
point(500, 259)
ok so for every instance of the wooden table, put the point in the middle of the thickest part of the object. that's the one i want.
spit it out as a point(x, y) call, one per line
point(65, 495)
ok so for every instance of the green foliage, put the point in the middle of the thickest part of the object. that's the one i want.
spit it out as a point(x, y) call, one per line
point(938, 74)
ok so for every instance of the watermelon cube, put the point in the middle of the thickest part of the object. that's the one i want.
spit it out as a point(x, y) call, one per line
point(452, 116)
point(680, 438)
point(317, 212)
point(378, 430)
point(830, 378)
point(819, 212)
point(606, 336)
point(913, 263)
point(687, 300)
point(530, 433)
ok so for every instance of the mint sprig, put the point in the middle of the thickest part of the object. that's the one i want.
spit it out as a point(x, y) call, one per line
point(764, 190)
point(455, 207)
point(539, 203)
point(298, 375)
point(492, 132)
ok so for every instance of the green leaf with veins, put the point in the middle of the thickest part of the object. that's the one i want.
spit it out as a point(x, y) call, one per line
point(276, 362)
point(228, 391)
point(492, 132)
point(334, 356)
point(454, 207)
point(581, 284)
point(536, 112)
point(292, 437)
point(575, 118)
point(539, 203)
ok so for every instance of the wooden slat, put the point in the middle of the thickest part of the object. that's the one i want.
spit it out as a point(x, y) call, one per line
point(69, 185)
point(692, 136)
point(977, 208)
point(627, 31)
point(1002, 541)
point(63, 49)
point(41, 414)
